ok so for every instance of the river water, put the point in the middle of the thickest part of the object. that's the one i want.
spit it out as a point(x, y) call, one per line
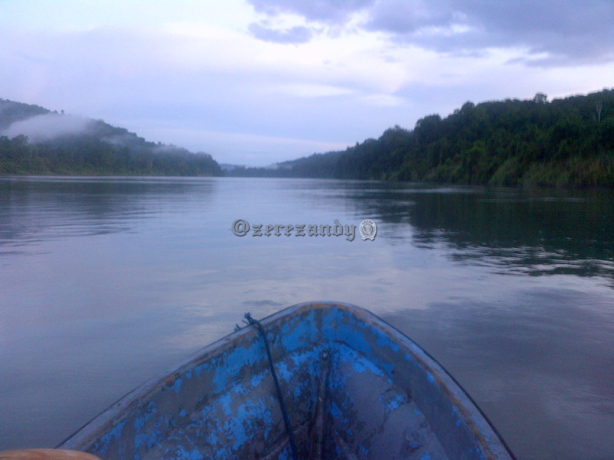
point(105, 282)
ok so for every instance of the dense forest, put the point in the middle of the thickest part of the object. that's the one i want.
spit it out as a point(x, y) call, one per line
point(565, 142)
point(67, 145)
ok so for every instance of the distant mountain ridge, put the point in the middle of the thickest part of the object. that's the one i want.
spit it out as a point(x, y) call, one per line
point(35, 140)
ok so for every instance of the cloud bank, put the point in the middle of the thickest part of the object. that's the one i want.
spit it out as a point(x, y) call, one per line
point(567, 32)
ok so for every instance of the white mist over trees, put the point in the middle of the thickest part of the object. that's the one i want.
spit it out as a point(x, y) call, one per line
point(34, 140)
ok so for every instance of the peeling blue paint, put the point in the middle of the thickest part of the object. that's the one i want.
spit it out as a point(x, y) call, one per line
point(226, 400)
point(249, 416)
point(182, 454)
point(395, 402)
point(198, 370)
point(257, 380)
point(229, 366)
point(114, 434)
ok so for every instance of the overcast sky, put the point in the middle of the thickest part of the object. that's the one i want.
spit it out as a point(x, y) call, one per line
point(260, 81)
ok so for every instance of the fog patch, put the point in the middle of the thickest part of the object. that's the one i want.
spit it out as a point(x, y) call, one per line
point(46, 127)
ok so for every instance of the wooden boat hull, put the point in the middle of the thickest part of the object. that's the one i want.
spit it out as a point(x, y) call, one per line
point(354, 386)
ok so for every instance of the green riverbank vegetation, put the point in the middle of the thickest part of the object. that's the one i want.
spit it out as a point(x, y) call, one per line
point(566, 142)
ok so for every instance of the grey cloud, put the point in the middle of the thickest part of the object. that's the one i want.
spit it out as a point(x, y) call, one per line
point(330, 11)
point(49, 126)
point(570, 32)
point(294, 35)
point(409, 17)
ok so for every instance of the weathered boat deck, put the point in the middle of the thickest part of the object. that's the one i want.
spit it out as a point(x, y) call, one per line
point(354, 387)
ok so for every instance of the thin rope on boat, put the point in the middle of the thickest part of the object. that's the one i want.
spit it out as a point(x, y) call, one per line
point(282, 405)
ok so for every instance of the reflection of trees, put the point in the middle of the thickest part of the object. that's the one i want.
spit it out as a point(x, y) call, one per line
point(38, 209)
point(532, 232)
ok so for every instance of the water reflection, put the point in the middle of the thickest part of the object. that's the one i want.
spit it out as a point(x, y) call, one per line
point(37, 209)
point(514, 231)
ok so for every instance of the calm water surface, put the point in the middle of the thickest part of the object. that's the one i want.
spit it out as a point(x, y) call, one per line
point(105, 282)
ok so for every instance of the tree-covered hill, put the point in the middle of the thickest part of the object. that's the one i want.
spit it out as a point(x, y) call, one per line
point(34, 140)
point(10, 112)
point(566, 142)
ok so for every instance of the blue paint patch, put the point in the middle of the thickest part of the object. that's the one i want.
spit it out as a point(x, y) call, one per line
point(182, 454)
point(393, 403)
point(299, 332)
point(207, 410)
point(338, 327)
point(335, 411)
point(149, 411)
point(383, 340)
point(145, 435)
point(226, 400)
point(183, 413)
point(286, 454)
point(114, 433)
point(359, 363)
point(425, 457)
point(283, 372)
point(256, 380)
point(430, 377)
point(212, 438)
point(177, 385)
point(228, 366)
point(250, 419)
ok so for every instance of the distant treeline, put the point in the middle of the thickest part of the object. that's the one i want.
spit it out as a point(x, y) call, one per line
point(85, 155)
point(318, 165)
point(566, 142)
point(92, 148)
